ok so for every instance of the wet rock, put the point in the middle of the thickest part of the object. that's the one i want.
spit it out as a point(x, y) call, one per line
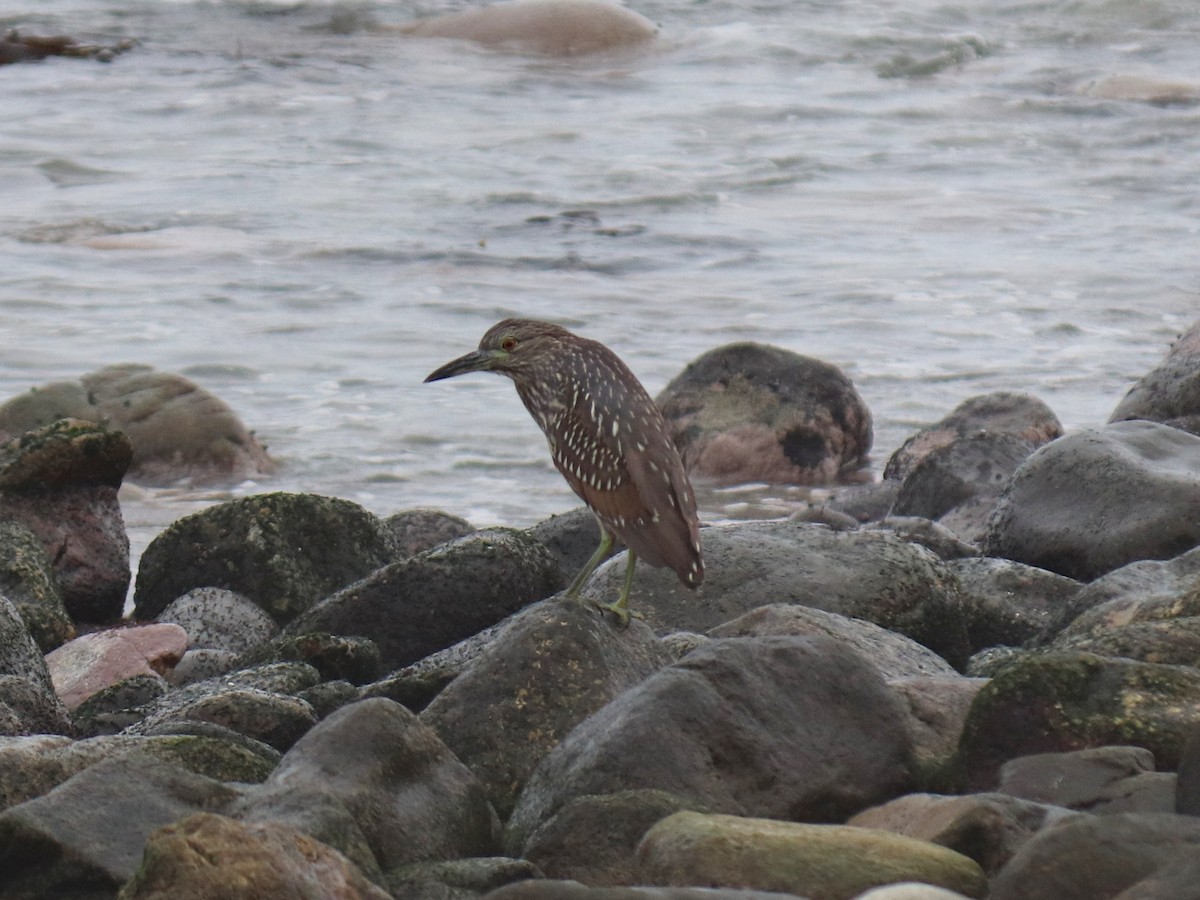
point(748, 726)
point(1141, 479)
point(27, 579)
point(417, 530)
point(592, 839)
point(1008, 602)
point(32, 766)
point(417, 606)
point(944, 543)
point(865, 502)
point(969, 472)
point(206, 856)
point(1097, 856)
point(471, 877)
point(1169, 393)
point(328, 696)
point(753, 412)
point(61, 482)
point(1003, 412)
point(91, 829)
point(28, 702)
point(868, 575)
point(1052, 702)
point(816, 860)
point(1098, 779)
point(407, 794)
point(283, 551)
point(547, 27)
point(1187, 786)
point(115, 707)
point(278, 720)
point(553, 666)
point(219, 619)
point(355, 659)
point(893, 655)
point(95, 661)
point(988, 828)
point(937, 710)
point(571, 538)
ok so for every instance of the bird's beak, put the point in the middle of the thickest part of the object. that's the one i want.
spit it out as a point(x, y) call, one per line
point(475, 361)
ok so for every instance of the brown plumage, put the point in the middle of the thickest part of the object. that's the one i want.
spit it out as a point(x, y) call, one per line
point(606, 437)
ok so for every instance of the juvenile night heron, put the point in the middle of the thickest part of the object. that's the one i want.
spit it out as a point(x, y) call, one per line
point(608, 440)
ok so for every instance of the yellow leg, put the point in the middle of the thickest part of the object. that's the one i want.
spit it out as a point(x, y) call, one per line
point(621, 608)
point(602, 553)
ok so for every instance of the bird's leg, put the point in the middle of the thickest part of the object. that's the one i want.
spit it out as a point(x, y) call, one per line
point(602, 553)
point(621, 608)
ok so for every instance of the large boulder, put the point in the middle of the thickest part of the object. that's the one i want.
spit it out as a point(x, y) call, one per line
point(554, 665)
point(27, 579)
point(28, 702)
point(1169, 393)
point(780, 727)
point(98, 660)
point(1140, 479)
point(283, 551)
point(753, 412)
point(549, 27)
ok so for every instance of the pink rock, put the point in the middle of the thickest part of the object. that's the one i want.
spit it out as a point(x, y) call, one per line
point(87, 665)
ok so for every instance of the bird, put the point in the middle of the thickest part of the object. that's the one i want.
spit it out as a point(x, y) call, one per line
point(608, 440)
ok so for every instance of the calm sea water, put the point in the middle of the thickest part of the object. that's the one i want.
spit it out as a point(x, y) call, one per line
point(307, 215)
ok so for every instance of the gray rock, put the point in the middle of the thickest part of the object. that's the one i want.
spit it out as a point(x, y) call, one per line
point(934, 536)
point(1090, 857)
point(1187, 788)
point(554, 665)
point(1098, 780)
point(1169, 393)
point(937, 710)
point(1003, 412)
point(26, 708)
point(334, 656)
point(278, 720)
point(61, 483)
point(417, 530)
point(753, 412)
point(324, 698)
point(893, 655)
point(219, 619)
point(421, 605)
point(471, 876)
point(785, 727)
point(117, 706)
point(1141, 479)
point(283, 551)
point(19, 655)
point(90, 830)
point(989, 828)
point(868, 575)
point(1010, 603)
point(571, 538)
point(27, 579)
point(573, 890)
point(408, 795)
point(199, 665)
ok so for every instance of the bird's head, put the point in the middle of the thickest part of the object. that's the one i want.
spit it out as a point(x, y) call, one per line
point(514, 347)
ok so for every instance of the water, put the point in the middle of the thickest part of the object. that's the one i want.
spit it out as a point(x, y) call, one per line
point(307, 215)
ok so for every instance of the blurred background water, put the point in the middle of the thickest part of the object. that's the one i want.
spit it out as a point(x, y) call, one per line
point(306, 215)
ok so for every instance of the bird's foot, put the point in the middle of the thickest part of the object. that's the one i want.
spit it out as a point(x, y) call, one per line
point(620, 610)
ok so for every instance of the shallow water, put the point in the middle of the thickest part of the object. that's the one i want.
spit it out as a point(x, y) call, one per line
point(307, 215)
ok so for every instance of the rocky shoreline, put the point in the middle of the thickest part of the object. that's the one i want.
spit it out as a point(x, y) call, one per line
point(977, 677)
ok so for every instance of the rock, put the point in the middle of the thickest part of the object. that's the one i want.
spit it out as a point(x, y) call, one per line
point(548, 27)
point(283, 551)
point(28, 702)
point(988, 828)
point(328, 696)
point(95, 661)
point(19, 655)
point(1008, 602)
point(893, 655)
point(16, 47)
point(592, 839)
point(61, 482)
point(1003, 412)
point(1053, 702)
point(114, 708)
point(27, 579)
point(218, 619)
point(206, 856)
point(571, 538)
point(1098, 779)
point(554, 665)
point(1187, 787)
point(937, 710)
point(865, 502)
point(816, 860)
point(471, 876)
point(278, 720)
point(32, 766)
point(417, 530)
point(1169, 393)
point(410, 798)
point(910, 890)
point(417, 606)
point(868, 575)
point(90, 830)
point(972, 469)
point(753, 412)
point(931, 535)
point(414, 686)
point(201, 664)
point(1174, 881)
point(1140, 478)
point(355, 659)
point(1092, 857)
point(572, 890)
point(748, 726)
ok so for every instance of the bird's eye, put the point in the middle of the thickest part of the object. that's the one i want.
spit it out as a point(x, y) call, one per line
point(509, 344)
